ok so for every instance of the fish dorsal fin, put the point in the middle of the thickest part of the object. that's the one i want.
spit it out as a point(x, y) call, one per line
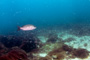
point(27, 25)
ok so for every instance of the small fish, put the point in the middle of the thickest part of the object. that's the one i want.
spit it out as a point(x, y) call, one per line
point(26, 27)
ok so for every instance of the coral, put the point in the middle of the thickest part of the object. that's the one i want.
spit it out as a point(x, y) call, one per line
point(27, 44)
point(67, 48)
point(3, 49)
point(80, 53)
point(30, 43)
point(55, 51)
point(1, 46)
point(49, 46)
point(57, 54)
point(14, 54)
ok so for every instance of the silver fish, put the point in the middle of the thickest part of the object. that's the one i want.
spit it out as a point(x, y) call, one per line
point(26, 27)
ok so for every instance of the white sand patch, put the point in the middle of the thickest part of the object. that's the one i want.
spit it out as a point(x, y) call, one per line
point(42, 54)
point(78, 42)
point(43, 39)
point(64, 35)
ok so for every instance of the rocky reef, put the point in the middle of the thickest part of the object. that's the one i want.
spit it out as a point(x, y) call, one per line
point(16, 48)
point(14, 54)
point(31, 48)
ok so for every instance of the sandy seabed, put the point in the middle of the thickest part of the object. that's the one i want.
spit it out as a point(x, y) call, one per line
point(64, 46)
point(50, 45)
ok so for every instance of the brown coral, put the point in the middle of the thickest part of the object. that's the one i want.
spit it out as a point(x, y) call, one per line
point(15, 54)
point(67, 48)
point(57, 54)
point(81, 53)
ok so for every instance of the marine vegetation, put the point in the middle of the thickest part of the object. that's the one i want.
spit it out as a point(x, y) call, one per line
point(80, 53)
point(32, 49)
point(14, 54)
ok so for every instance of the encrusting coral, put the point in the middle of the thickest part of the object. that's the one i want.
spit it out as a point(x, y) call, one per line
point(80, 53)
point(27, 49)
point(15, 54)
point(57, 54)
point(68, 52)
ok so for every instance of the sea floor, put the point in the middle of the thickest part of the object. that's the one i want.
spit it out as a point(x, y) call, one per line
point(76, 47)
point(54, 45)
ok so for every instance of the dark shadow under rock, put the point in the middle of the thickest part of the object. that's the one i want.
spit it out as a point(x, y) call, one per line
point(10, 41)
point(26, 44)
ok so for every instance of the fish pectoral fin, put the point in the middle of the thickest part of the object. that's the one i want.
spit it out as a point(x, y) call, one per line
point(18, 28)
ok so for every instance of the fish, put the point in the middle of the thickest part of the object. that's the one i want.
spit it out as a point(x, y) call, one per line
point(26, 27)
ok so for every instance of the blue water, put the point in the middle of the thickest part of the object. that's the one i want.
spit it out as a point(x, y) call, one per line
point(42, 13)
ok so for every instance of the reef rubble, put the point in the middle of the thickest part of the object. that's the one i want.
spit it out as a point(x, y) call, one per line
point(56, 47)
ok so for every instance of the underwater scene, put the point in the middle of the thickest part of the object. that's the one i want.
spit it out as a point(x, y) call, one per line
point(44, 29)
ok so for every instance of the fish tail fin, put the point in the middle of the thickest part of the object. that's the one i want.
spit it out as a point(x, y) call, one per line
point(18, 28)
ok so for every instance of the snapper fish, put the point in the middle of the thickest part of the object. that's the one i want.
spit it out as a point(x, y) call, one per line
point(26, 27)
